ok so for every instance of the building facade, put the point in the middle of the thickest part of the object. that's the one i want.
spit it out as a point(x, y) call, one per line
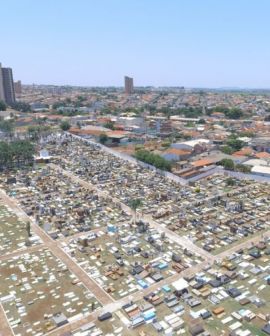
point(2, 94)
point(129, 88)
point(18, 87)
point(7, 92)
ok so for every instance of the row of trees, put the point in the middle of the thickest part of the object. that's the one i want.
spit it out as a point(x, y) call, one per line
point(231, 113)
point(18, 106)
point(188, 112)
point(16, 153)
point(21, 106)
point(230, 165)
point(36, 131)
point(153, 159)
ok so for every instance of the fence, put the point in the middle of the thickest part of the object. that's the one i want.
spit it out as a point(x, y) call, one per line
point(216, 170)
point(243, 176)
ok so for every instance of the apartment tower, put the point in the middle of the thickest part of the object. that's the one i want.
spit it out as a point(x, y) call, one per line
point(7, 93)
point(129, 85)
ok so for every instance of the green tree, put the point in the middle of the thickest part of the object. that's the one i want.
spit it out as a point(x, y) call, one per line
point(235, 143)
point(65, 125)
point(28, 229)
point(231, 113)
point(234, 113)
point(5, 154)
point(7, 126)
point(16, 153)
point(3, 106)
point(58, 104)
point(242, 168)
point(109, 124)
point(201, 121)
point(81, 98)
point(21, 106)
point(135, 204)
point(227, 150)
point(36, 131)
point(103, 138)
point(227, 164)
point(230, 181)
point(153, 159)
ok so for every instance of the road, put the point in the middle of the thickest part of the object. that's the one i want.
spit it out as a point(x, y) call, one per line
point(5, 329)
point(17, 253)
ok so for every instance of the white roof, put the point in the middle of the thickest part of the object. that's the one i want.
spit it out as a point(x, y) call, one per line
point(180, 284)
point(255, 162)
point(261, 169)
point(194, 142)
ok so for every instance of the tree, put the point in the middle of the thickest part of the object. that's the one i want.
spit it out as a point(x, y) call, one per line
point(3, 106)
point(231, 113)
point(103, 138)
point(5, 154)
point(227, 164)
point(81, 98)
point(153, 159)
point(135, 204)
point(28, 229)
point(197, 189)
point(65, 125)
point(16, 153)
point(201, 121)
point(242, 168)
point(235, 143)
point(58, 104)
point(234, 113)
point(227, 150)
point(7, 126)
point(230, 181)
point(35, 132)
point(21, 106)
point(109, 124)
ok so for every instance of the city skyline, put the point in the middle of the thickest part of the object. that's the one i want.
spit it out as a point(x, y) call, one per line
point(191, 44)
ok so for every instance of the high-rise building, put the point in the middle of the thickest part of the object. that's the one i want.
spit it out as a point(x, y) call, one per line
point(2, 94)
point(129, 85)
point(8, 85)
point(7, 93)
point(18, 87)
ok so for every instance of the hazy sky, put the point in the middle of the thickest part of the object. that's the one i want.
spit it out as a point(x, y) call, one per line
point(195, 43)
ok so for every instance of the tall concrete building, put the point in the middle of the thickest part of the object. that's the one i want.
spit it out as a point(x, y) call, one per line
point(8, 85)
point(7, 93)
point(129, 88)
point(18, 87)
point(2, 93)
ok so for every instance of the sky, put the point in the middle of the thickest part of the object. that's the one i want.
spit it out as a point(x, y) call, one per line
point(191, 43)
